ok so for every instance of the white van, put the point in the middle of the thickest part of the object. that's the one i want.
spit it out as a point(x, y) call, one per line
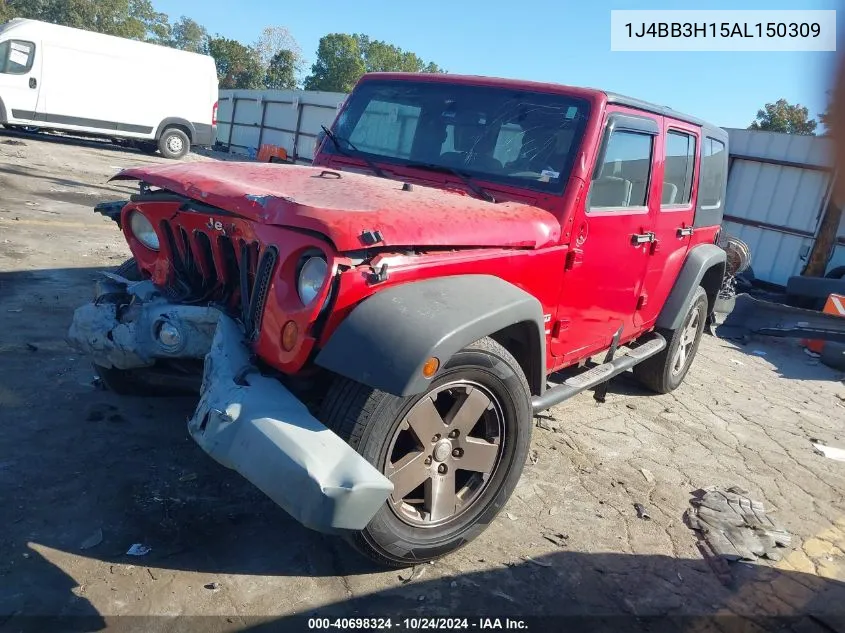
point(60, 78)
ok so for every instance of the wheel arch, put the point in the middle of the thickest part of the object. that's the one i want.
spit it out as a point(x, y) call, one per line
point(3, 115)
point(387, 338)
point(705, 267)
point(177, 122)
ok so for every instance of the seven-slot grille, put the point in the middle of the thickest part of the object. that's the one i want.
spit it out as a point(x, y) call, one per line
point(231, 272)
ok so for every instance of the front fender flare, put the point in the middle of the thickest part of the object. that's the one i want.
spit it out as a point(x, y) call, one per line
point(387, 338)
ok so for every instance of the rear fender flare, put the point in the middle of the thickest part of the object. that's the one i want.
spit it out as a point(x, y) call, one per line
point(388, 337)
point(704, 264)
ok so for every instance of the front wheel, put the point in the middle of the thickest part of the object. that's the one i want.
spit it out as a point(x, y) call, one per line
point(666, 371)
point(454, 454)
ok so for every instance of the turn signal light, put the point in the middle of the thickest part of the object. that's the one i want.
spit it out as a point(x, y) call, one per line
point(290, 332)
point(431, 366)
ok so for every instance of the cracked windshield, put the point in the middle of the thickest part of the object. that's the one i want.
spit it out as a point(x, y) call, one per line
point(511, 137)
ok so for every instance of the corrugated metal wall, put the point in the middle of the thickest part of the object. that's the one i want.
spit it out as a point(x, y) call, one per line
point(287, 118)
point(778, 187)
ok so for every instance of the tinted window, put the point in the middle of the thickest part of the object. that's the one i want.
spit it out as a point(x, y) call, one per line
point(622, 180)
point(16, 57)
point(678, 170)
point(713, 166)
point(512, 137)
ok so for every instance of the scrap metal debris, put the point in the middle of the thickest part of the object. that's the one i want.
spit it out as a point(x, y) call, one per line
point(831, 452)
point(649, 477)
point(138, 549)
point(540, 563)
point(641, 512)
point(734, 527)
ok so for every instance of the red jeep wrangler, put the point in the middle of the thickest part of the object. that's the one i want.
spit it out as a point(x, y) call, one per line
point(375, 332)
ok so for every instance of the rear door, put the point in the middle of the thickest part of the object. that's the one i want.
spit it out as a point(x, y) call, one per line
point(20, 65)
point(611, 243)
point(673, 217)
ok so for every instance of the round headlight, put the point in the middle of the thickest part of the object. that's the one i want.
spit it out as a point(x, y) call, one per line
point(311, 279)
point(143, 230)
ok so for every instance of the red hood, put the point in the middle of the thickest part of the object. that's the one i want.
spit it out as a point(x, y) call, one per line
point(342, 208)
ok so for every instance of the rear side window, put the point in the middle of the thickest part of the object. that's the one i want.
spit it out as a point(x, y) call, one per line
point(713, 165)
point(16, 57)
point(622, 181)
point(678, 169)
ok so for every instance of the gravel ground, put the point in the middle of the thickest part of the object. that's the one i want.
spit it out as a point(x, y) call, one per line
point(85, 474)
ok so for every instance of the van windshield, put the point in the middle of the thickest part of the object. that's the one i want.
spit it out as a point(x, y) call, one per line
point(500, 135)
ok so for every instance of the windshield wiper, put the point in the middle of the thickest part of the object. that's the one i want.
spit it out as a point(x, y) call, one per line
point(336, 141)
point(479, 191)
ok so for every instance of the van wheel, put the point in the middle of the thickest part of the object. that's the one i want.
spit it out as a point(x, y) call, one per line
point(666, 371)
point(453, 453)
point(174, 143)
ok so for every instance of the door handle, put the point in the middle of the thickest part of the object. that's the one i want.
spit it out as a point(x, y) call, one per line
point(642, 238)
point(685, 231)
point(33, 82)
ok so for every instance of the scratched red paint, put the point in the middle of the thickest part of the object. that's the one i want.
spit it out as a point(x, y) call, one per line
point(342, 208)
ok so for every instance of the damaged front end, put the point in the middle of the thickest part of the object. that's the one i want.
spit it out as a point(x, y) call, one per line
point(203, 300)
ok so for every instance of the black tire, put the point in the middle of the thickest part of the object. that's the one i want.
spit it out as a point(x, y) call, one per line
point(174, 143)
point(369, 419)
point(660, 373)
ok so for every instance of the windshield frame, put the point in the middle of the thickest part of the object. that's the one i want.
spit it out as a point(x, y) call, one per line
point(368, 90)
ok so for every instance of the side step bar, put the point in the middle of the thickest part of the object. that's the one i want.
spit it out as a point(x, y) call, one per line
point(598, 374)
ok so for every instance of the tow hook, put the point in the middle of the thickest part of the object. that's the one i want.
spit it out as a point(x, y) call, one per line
point(380, 275)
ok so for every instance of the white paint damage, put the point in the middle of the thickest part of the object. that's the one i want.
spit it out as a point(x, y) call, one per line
point(254, 425)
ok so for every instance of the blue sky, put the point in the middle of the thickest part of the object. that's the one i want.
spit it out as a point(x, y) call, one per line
point(564, 42)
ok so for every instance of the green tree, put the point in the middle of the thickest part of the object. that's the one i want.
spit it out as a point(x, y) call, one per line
point(781, 116)
point(339, 64)
point(380, 56)
point(281, 73)
point(343, 58)
point(238, 66)
point(134, 19)
point(189, 35)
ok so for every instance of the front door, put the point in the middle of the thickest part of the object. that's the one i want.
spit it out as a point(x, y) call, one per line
point(673, 220)
point(612, 239)
point(19, 79)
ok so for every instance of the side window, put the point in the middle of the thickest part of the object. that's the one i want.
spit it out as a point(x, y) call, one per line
point(713, 165)
point(16, 57)
point(678, 170)
point(622, 181)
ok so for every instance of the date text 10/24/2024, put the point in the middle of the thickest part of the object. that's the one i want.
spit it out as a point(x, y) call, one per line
point(417, 624)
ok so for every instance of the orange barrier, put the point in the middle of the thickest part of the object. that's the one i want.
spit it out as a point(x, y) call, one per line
point(268, 152)
point(835, 304)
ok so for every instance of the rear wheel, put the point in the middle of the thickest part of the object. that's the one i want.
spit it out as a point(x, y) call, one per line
point(174, 143)
point(454, 453)
point(666, 371)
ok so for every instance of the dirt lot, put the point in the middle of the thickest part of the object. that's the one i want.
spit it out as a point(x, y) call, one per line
point(82, 467)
